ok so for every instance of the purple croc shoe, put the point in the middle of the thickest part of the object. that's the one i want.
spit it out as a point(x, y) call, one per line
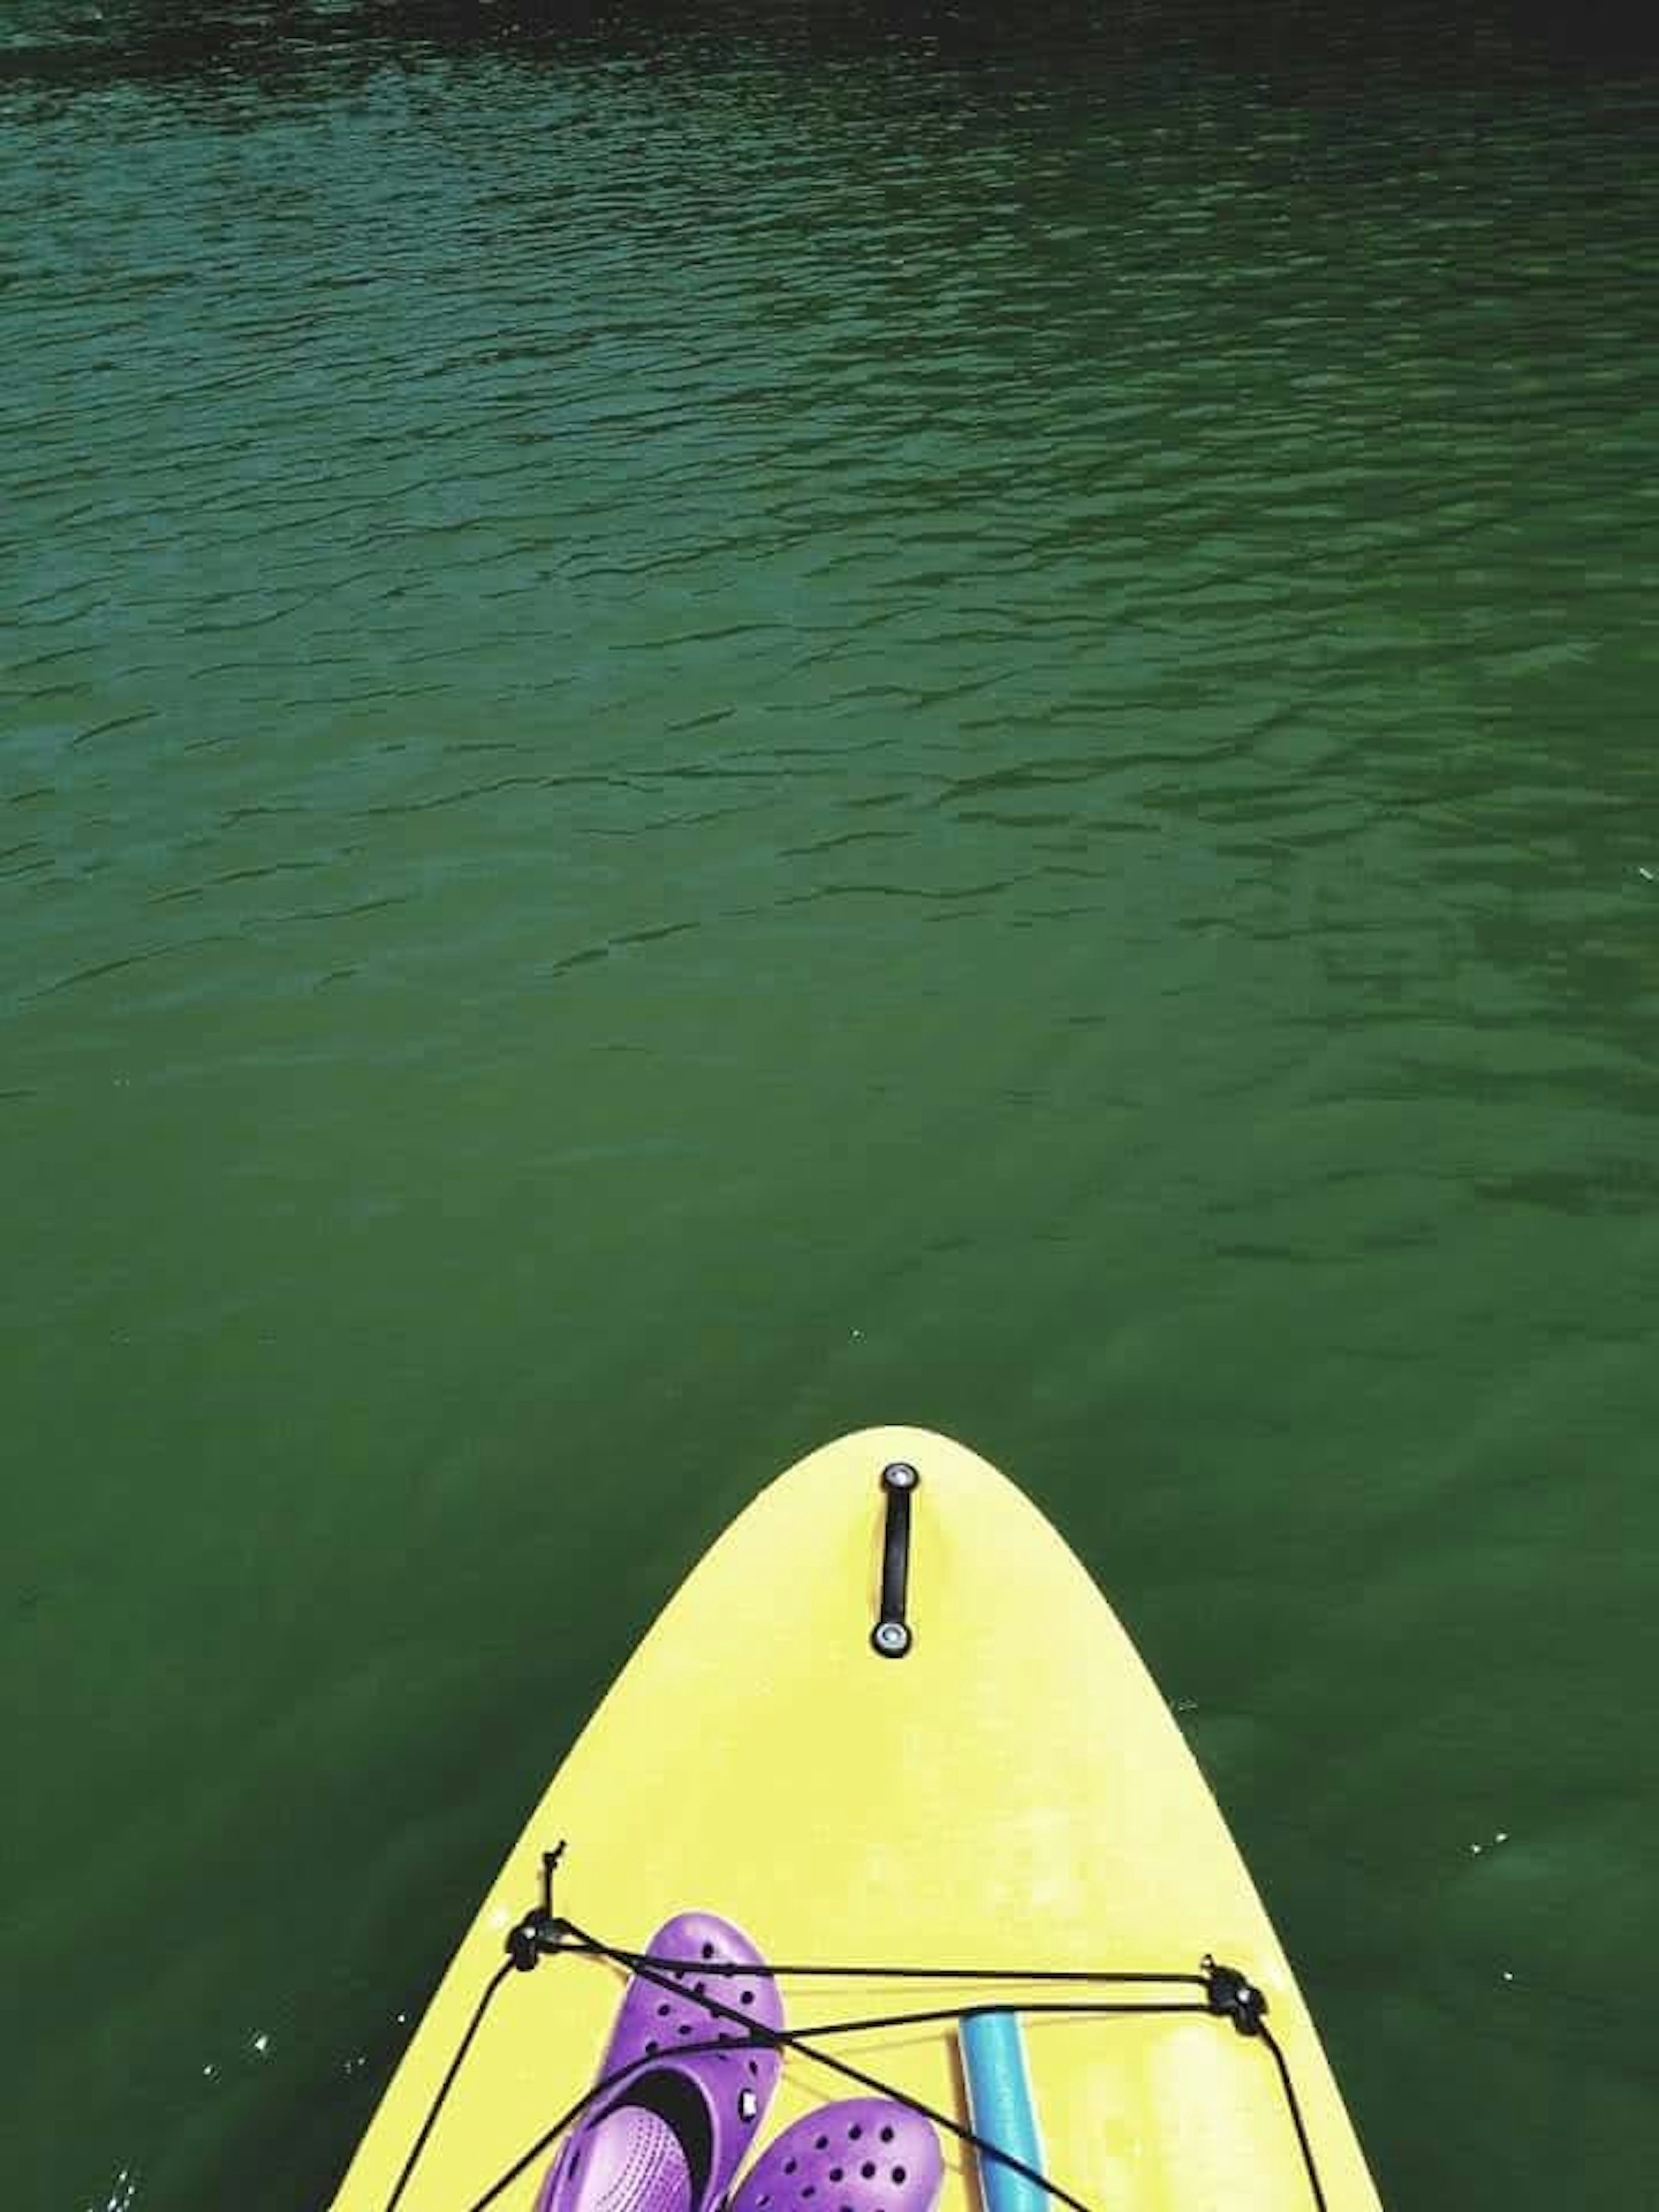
point(669, 2134)
point(866, 2155)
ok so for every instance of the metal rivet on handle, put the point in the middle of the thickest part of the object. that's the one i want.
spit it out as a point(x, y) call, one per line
point(891, 1638)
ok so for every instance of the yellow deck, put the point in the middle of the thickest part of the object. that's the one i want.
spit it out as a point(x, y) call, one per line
point(1012, 1793)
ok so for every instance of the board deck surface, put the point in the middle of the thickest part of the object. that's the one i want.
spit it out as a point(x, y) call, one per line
point(1011, 1794)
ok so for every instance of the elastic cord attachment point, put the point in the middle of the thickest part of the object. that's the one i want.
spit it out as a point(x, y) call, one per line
point(534, 1938)
point(541, 1930)
point(524, 1942)
point(1233, 1995)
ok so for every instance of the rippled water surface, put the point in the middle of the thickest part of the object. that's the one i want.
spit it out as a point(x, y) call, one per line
point(705, 736)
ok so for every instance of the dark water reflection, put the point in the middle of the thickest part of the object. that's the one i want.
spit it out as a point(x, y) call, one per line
point(1291, 47)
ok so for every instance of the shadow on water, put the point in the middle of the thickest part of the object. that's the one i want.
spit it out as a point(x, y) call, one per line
point(1290, 49)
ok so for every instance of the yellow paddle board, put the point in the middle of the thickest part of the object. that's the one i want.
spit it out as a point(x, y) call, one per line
point(889, 1721)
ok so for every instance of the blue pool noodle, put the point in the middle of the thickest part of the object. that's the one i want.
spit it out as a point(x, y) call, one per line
point(1000, 2106)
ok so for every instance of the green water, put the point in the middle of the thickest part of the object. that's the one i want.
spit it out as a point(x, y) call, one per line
point(708, 736)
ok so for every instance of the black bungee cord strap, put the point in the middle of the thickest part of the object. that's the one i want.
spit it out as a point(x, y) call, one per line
point(1221, 1991)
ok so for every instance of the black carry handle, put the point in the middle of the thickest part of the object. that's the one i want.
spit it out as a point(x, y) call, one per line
point(891, 1634)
